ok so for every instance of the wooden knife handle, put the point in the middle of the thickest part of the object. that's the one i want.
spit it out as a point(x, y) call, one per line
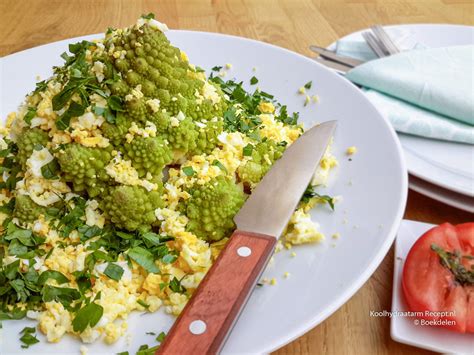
point(210, 314)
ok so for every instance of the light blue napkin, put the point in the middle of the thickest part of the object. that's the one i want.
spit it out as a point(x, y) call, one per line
point(427, 92)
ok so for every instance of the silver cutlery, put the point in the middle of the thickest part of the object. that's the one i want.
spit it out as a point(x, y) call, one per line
point(330, 55)
point(385, 40)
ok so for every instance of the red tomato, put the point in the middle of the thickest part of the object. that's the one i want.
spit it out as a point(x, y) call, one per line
point(431, 287)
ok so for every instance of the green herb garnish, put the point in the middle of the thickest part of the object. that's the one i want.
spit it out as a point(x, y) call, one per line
point(453, 262)
point(89, 315)
point(188, 170)
point(114, 271)
point(310, 193)
point(28, 338)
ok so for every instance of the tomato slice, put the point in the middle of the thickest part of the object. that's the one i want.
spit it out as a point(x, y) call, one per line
point(430, 288)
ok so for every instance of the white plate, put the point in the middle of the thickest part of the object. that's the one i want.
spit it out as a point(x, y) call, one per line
point(447, 164)
point(403, 329)
point(435, 192)
point(373, 186)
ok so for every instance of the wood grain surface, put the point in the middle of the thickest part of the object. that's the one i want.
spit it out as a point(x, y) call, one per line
point(293, 24)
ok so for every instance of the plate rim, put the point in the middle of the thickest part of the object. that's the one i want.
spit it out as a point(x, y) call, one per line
point(390, 233)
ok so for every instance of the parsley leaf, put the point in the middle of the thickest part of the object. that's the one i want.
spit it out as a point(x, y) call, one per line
point(175, 285)
point(52, 274)
point(253, 80)
point(63, 295)
point(216, 68)
point(308, 85)
point(144, 258)
point(143, 304)
point(28, 338)
point(88, 315)
point(50, 170)
point(148, 16)
point(161, 337)
point(30, 114)
point(310, 193)
point(247, 150)
point(219, 165)
point(114, 271)
point(188, 170)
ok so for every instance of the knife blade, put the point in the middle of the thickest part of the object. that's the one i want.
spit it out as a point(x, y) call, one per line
point(327, 54)
point(282, 187)
point(207, 319)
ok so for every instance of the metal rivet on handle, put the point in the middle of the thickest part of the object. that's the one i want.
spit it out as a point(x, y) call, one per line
point(244, 251)
point(197, 327)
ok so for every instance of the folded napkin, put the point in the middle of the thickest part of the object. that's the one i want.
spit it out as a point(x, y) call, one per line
point(426, 91)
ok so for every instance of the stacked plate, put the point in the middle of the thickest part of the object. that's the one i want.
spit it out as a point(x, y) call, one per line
point(441, 170)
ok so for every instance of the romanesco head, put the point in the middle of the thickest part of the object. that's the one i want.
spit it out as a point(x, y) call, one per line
point(26, 210)
point(208, 133)
point(148, 154)
point(263, 156)
point(212, 207)
point(84, 166)
point(27, 141)
point(152, 68)
point(116, 131)
point(182, 137)
point(131, 207)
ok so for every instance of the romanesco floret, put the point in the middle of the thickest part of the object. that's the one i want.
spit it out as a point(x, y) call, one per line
point(212, 207)
point(26, 210)
point(116, 131)
point(158, 69)
point(207, 138)
point(183, 136)
point(84, 167)
point(131, 207)
point(148, 154)
point(263, 156)
point(26, 143)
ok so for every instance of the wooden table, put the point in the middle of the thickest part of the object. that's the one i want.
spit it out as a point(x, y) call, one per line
point(291, 24)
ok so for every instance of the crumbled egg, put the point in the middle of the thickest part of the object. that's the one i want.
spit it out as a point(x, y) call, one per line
point(351, 150)
point(37, 160)
point(301, 229)
point(124, 173)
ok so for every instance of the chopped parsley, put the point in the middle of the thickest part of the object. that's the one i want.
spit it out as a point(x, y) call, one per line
point(114, 271)
point(308, 85)
point(310, 193)
point(28, 337)
point(253, 80)
point(148, 16)
point(247, 150)
point(89, 315)
point(188, 170)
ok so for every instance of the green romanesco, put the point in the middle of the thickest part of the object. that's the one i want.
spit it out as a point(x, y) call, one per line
point(262, 157)
point(212, 207)
point(148, 154)
point(27, 141)
point(84, 167)
point(182, 137)
point(26, 210)
point(208, 133)
point(152, 68)
point(116, 131)
point(131, 207)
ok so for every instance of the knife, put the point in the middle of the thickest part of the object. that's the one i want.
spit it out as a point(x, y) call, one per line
point(210, 314)
point(327, 54)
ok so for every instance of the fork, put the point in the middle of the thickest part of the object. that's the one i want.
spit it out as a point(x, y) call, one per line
point(384, 39)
